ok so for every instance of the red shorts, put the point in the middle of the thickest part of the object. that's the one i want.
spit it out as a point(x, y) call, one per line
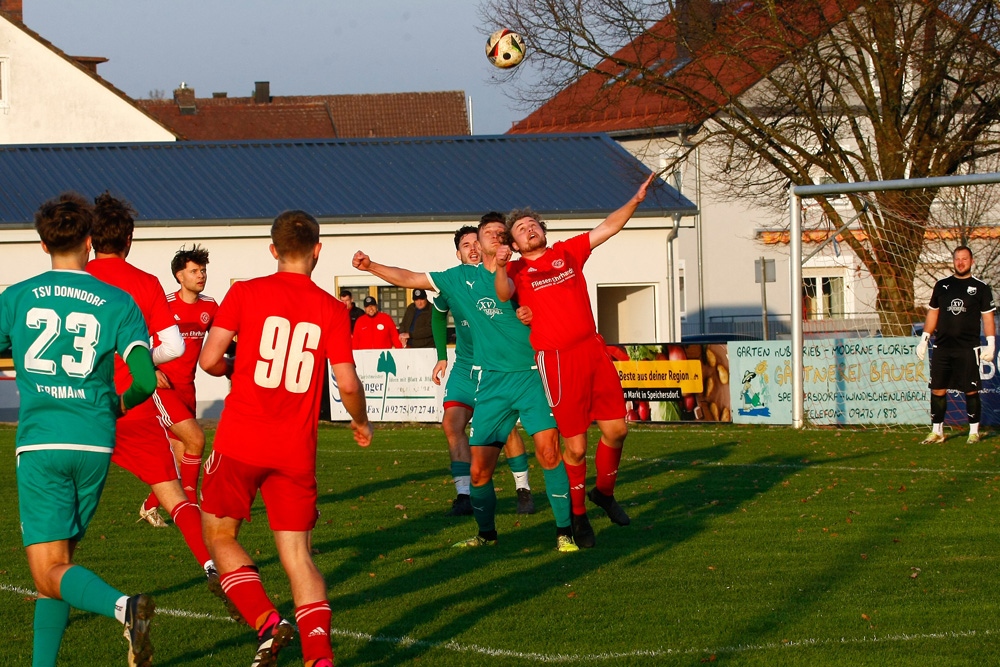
point(582, 385)
point(229, 488)
point(142, 448)
point(175, 405)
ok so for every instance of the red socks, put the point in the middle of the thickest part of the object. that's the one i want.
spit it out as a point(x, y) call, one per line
point(187, 518)
point(152, 502)
point(313, 620)
point(190, 467)
point(242, 586)
point(577, 486)
point(606, 462)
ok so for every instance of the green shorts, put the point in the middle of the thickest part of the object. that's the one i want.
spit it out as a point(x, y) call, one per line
point(58, 491)
point(503, 397)
point(461, 387)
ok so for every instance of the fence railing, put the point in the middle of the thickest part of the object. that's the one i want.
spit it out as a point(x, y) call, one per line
point(851, 325)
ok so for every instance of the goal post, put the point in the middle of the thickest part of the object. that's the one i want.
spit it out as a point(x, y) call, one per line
point(799, 192)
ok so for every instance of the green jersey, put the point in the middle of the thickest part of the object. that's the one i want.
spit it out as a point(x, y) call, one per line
point(463, 335)
point(65, 328)
point(499, 340)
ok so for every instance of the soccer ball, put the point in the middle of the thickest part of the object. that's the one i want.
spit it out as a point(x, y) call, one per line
point(505, 48)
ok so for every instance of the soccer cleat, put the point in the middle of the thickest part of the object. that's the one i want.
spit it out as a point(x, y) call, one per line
point(525, 503)
point(933, 439)
point(583, 534)
point(461, 506)
point(610, 506)
point(215, 586)
point(139, 612)
point(477, 541)
point(973, 438)
point(152, 517)
point(274, 635)
point(565, 544)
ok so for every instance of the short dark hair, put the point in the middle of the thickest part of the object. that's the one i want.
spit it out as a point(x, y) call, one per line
point(347, 292)
point(525, 212)
point(196, 255)
point(64, 223)
point(114, 222)
point(492, 216)
point(294, 233)
point(959, 248)
point(468, 229)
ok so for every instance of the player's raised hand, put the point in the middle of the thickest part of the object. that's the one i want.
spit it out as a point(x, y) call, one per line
point(438, 373)
point(525, 315)
point(361, 261)
point(362, 434)
point(641, 193)
point(162, 381)
point(503, 255)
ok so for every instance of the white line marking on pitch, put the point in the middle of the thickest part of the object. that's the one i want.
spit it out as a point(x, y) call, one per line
point(452, 645)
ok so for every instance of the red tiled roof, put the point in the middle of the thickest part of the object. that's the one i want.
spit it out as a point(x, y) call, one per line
point(702, 84)
point(317, 116)
point(778, 237)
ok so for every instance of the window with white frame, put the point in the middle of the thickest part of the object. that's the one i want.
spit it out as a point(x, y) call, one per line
point(824, 295)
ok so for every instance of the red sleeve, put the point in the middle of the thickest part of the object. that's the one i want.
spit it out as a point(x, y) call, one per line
point(228, 315)
point(338, 343)
point(514, 270)
point(578, 247)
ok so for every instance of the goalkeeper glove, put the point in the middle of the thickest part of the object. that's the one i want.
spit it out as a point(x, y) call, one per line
point(922, 346)
point(988, 353)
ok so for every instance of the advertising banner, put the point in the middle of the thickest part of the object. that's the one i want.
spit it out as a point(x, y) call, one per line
point(666, 382)
point(398, 386)
point(845, 381)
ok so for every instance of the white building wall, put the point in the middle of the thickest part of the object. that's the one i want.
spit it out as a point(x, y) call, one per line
point(45, 99)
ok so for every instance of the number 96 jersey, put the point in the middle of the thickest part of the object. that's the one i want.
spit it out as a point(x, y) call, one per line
point(287, 327)
point(64, 328)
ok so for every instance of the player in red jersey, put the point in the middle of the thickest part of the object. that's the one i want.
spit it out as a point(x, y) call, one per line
point(288, 327)
point(580, 381)
point(141, 444)
point(175, 397)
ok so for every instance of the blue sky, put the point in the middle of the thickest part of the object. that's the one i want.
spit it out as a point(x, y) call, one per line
point(302, 47)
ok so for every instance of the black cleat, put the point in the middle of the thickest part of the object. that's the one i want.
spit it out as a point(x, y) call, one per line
point(525, 503)
point(215, 586)
point(461, 506)
point(139, 612)
point(609, 505)
point(583, 534)
point(275, 634)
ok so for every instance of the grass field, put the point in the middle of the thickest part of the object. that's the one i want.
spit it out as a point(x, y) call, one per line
point(750, 546)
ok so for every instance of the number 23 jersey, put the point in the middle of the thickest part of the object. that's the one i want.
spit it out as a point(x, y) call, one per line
point(286, 326)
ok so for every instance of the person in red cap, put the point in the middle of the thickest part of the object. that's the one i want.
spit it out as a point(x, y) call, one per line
point(376, 330)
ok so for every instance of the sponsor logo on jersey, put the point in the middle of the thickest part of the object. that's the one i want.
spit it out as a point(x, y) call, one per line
point(972, 290)
point(204, 318)
point(957, 307)
point(380, 327)
point(488, 307)
point(177, 317)
point(470, 284)
point(558, 264)
point(531, 269)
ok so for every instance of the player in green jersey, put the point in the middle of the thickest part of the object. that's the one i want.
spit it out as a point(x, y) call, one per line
point(508, 388)
point(64, 328)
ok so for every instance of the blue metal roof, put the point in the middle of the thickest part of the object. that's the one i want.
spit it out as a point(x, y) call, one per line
point(564, 175)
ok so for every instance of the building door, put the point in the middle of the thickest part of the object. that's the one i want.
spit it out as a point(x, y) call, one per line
point(627, 313)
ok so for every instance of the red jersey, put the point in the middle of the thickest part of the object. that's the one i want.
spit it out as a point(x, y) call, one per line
point(554, 288)
point(375, 333)
point(193, 319)
point(148, 294)
point(287, 326)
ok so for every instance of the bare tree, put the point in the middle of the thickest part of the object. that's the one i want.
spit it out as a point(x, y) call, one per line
point(793, 91)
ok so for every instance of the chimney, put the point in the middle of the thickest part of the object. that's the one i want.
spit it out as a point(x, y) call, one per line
point(89, 62)
point(695, 25)
point(220, 96)
point(12, 7)
point(184, 97)
point(262, 92)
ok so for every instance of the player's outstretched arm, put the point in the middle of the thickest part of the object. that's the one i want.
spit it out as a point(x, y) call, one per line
point(616, 221)
point(391, 274)
point(352, 396)
point(213, 353)
point(501, 281)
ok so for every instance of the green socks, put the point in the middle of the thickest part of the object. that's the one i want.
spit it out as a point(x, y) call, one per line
point(84, 590)
point(484, 506)
point(51, 617)
point(557, 489)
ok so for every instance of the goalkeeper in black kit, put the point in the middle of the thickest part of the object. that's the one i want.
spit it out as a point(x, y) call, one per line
point(957, 305)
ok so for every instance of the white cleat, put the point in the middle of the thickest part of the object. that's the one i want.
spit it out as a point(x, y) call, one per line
point(973, 438)
point(933, 439)
point(152, 517)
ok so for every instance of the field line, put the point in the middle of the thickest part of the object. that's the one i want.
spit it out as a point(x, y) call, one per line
point(457, 647)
